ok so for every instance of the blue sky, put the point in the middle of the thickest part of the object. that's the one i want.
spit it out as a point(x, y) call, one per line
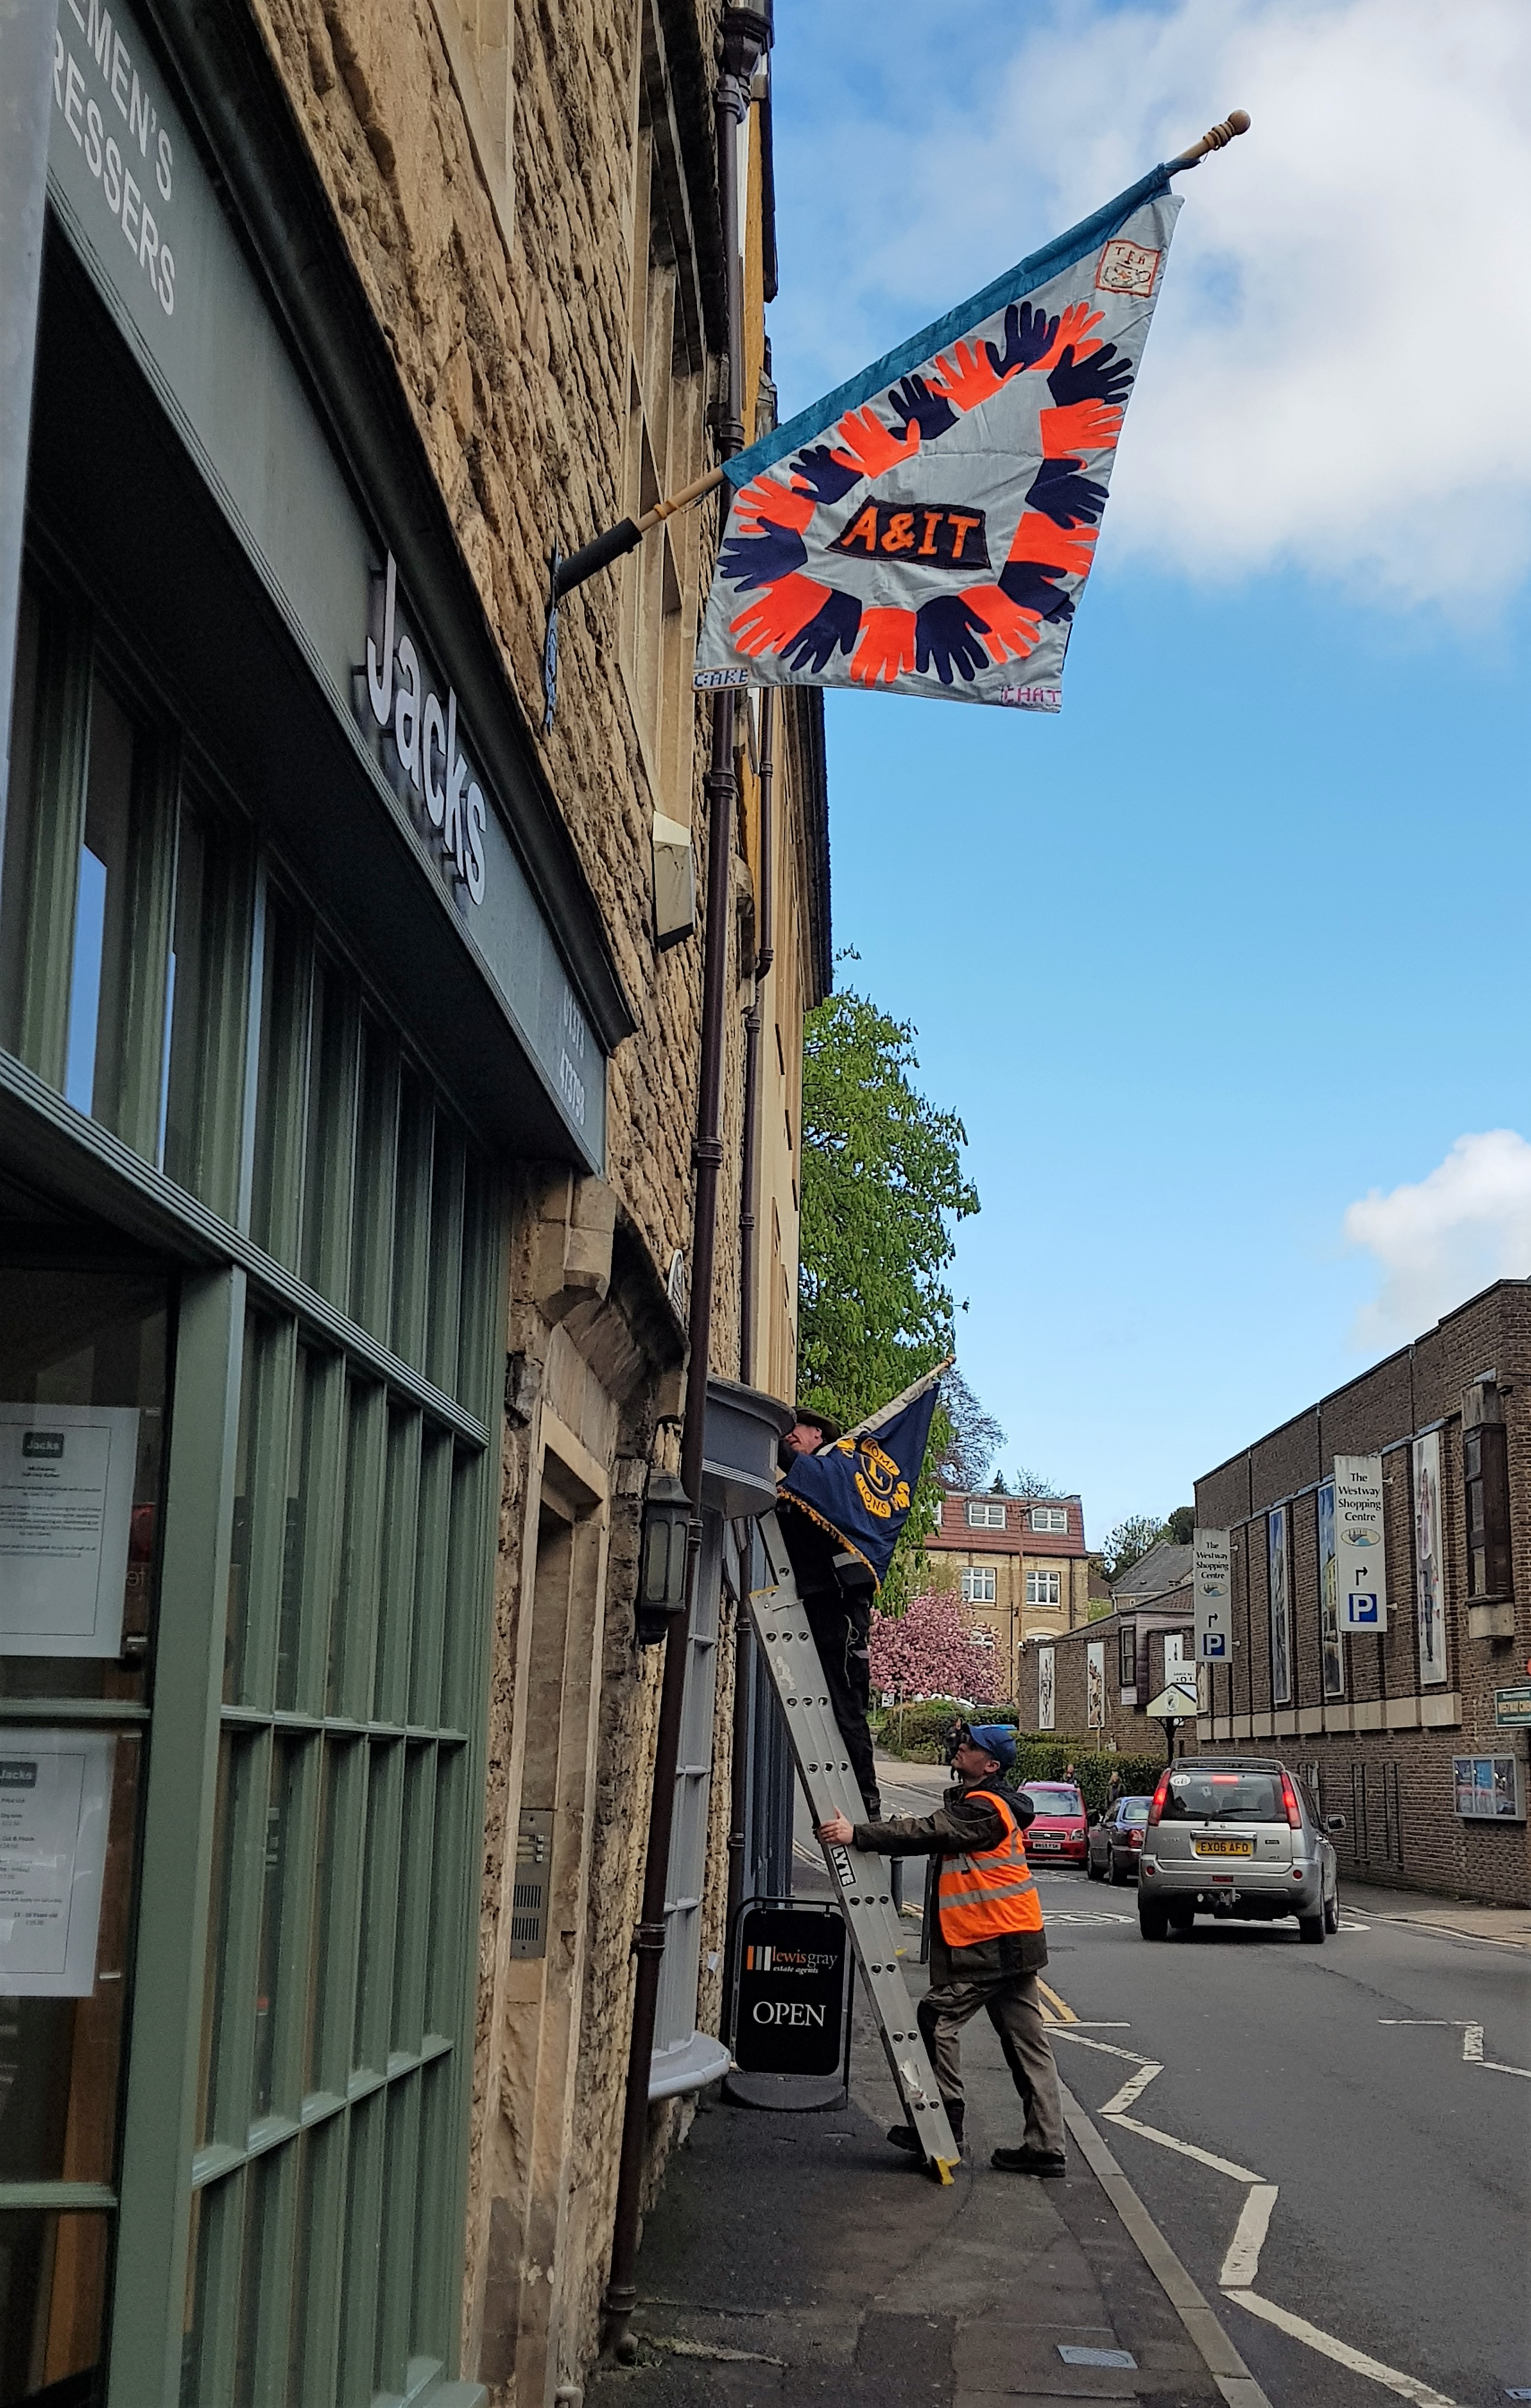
point(1236, 942)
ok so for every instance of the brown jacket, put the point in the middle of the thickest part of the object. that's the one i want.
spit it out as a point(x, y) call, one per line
point(959, 1828)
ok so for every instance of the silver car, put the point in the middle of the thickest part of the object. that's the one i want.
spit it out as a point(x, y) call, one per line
point(1237, 1837)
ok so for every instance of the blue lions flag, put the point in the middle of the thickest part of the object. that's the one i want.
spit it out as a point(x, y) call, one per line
point(860, 1488)
point(928, 528)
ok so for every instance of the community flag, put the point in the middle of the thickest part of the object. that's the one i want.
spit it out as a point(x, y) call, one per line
point(928, 527)
point(860, 1488)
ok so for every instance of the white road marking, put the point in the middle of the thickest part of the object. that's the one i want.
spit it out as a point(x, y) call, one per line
point(1133, 2088)
point(1187, 2149)
point(1106, 2047)
point(1242, 2262)
point(1472, 2040)
point(1090, 1918)
point(1407, 2387)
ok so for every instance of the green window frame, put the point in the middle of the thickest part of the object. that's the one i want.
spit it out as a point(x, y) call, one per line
point(288, 2206)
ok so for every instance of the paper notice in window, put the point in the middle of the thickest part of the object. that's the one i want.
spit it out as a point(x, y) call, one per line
point(56, 1795)
point(65, 1517)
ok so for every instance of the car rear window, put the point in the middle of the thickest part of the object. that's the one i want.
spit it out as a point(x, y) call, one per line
point(1224, 1798)
point(1054, 1798)
point(1135, 1810)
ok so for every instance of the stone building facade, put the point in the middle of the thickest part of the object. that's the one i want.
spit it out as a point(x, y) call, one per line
point(348, 1093)
point(1380, 1722)
point(1021, 1563)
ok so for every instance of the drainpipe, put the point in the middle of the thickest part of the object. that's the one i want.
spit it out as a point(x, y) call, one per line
point(765, 956)
point(745, 35)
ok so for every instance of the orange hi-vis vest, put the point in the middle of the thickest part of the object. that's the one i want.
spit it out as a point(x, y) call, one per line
point(979, 1896)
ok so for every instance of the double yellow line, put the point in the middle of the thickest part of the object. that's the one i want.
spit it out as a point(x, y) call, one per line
point(1054, 2009)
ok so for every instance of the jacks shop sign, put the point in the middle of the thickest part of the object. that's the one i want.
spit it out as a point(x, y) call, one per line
point(421, 742)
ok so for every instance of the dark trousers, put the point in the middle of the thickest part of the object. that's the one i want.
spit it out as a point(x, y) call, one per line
point(1011, 2003)
point(840, 1634)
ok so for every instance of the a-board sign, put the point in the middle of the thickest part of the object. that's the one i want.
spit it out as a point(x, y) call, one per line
point(790, 1998)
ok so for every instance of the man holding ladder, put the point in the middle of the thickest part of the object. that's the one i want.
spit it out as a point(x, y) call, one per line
point(986, 1940)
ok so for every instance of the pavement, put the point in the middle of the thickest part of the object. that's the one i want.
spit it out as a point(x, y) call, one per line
point(1299, 2178)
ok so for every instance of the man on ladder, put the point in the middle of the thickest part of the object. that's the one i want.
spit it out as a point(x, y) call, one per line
point(837, 1589)
point(986, 1940)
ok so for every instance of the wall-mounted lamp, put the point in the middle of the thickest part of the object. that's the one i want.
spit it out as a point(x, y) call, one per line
point(661, 1583)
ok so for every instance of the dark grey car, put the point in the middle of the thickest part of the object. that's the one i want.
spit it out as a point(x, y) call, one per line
point(1237, 1837)
point(1114, 1841)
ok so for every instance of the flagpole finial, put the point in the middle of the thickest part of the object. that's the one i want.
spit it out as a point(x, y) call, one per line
point(1216, 139)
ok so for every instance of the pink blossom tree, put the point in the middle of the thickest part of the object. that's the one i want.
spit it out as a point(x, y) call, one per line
point(928, 1651)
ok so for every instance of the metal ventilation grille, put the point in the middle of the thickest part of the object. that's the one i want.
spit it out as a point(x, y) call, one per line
point(533, 1877)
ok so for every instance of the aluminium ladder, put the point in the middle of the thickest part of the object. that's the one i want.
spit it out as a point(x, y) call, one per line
point(862, 1881)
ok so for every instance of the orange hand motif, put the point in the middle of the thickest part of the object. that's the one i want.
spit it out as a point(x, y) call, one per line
point(1081, 426)
point(777, 613)
point(1051, 546)
point(966, 375)
point(886, 649)
point(1009, 632)
point(1073, 327)
point(764, 502)
point(864, 443)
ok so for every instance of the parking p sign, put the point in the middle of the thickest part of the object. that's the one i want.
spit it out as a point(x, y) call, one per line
point(1361, 1579)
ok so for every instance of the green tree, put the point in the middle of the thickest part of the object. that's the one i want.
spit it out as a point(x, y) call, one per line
point(1181, 1526)
point(883, 1189)
point(1129, 1542)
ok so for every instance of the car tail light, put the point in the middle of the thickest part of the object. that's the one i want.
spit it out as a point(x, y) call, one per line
point(1156, 1804)
point(1289, 1799)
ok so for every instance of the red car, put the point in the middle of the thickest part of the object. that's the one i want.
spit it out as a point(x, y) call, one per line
point(1060, 1829)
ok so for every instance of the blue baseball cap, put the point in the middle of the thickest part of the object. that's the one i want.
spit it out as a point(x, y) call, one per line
point(996, 1739)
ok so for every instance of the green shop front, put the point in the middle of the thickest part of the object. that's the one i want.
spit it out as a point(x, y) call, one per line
point(294, 962)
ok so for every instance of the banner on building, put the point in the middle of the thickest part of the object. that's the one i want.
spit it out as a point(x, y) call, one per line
point(1361, 1578)
point(1212, 1594)
point(1331, 1640)
point(1429, 1567)
point(1280, 1607)
point(1046, 1688)
point(928, 528)
point(1095, 1684)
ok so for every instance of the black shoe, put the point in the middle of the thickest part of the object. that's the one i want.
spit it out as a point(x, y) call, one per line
point(1049, 2163)
point(904, 2136)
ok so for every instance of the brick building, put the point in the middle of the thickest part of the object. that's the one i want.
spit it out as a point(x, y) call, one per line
point(1019, 1562)
point(349, 1039)
point(1378, 1722)
point(1092, 1684)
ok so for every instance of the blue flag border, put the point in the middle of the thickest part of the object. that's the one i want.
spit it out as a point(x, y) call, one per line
point(1064, 250)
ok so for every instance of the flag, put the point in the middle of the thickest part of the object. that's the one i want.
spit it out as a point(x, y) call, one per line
point(928, 527)
point(860, 1488)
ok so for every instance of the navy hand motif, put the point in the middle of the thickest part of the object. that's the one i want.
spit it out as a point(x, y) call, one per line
point(754, 560)
point(1029, 336)
point(1062, 494)
point(1029, 584)
point(824, 477)
point(913, 403)
point(947, 638)
point(832, 629)
point(1102, 376)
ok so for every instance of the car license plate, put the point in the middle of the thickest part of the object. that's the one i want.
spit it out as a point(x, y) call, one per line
point(1224, 1847)
point(1044, 1843)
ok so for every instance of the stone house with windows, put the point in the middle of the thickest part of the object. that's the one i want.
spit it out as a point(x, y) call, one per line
point(351, 1020)
point(1417, 1733)
point(1021, 1563)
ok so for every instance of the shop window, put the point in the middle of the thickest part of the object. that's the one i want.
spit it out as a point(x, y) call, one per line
point(341, 1940)
point(82, 1374)
point(124, 915)
point(979, 1584)
point(1044, 1588)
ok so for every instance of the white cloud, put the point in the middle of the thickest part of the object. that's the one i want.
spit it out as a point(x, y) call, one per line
point(1440, 1239)
point(1337, 374)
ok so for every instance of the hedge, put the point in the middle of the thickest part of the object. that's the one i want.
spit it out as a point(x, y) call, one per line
point(922, 1734)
